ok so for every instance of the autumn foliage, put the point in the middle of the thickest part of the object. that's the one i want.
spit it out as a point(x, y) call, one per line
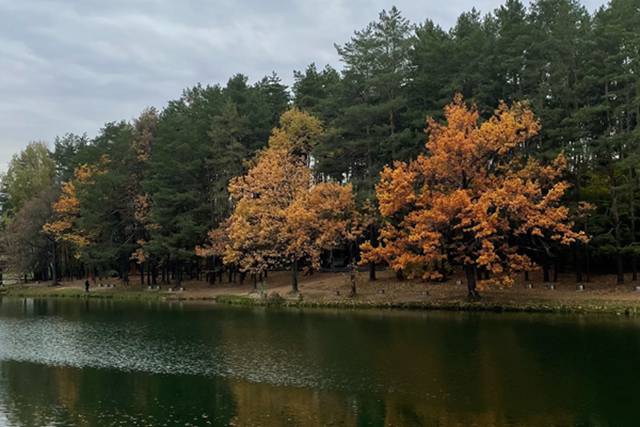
point(475, 200)
point(64, 226)
point(281, 216)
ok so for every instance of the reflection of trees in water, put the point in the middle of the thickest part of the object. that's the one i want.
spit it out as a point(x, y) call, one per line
point(37, 395)
point(446, 369)
point(436, 369)
point(261, 404)
point(294, 368)
point(471, 372)
point(586, 363)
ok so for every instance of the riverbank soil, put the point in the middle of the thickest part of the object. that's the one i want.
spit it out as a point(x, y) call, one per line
point(333, 289)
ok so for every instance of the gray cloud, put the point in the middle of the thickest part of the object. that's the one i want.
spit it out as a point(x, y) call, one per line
point(70, 66)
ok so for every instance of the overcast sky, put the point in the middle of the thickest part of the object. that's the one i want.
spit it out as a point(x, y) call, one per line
point(70, 66)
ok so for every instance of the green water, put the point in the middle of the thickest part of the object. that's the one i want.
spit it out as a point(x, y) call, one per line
point(95, 363)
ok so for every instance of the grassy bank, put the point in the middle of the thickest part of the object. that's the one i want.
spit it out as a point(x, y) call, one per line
point(331, 290)
point(596, 306)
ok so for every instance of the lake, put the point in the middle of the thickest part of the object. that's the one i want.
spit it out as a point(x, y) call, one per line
point(97, 362)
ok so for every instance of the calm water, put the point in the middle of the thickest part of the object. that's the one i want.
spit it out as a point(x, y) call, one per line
point(95, 363)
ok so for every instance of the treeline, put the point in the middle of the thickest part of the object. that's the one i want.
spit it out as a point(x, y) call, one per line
point(151, 195)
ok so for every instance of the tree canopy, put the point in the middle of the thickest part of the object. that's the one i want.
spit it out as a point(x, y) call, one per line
point(260, 177)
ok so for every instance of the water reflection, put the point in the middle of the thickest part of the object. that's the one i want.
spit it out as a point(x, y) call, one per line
point(105, 363)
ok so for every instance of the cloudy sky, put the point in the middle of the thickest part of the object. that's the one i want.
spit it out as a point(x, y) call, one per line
point(70, 66)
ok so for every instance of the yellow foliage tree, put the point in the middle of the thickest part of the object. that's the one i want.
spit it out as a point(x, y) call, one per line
point(281, 217)
point(473, 201)
point(66, 208)
point(258, 222)
point(321, 218)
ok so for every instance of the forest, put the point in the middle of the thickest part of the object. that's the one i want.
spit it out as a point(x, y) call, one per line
point(505, 144)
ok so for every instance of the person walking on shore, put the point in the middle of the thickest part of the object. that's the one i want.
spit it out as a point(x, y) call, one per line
point(86, 285)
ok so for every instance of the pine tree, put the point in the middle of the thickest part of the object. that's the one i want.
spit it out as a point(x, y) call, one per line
point(370, 127)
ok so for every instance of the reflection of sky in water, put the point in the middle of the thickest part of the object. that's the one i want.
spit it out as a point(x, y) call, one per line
point(237, 344)
point(142, 347)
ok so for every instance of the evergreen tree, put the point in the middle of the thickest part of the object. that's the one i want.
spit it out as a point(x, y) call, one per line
point(370, 126)
point(318, 92)
point(28, 174)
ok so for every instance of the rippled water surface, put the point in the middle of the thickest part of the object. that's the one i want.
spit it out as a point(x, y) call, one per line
point(95, 363)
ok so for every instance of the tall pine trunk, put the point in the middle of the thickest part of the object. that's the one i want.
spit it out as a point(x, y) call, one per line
point(373, 239)
point(578, 261)
point(632, 214)
point(54, 266)
point(617, 230)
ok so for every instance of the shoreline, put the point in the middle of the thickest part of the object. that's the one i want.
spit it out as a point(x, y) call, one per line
point(490, 302)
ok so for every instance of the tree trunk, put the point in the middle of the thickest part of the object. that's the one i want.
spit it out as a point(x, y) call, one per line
point(54, 272)
point(352, 279)
point(470, 273)
point(619, 269)
point(587, 264)
point(142, 274)
point(373, 239)
point(578, 262)
point(617, 225)
point(632, 214)
point(294, 276)
point(154, 274)
point(545, 271)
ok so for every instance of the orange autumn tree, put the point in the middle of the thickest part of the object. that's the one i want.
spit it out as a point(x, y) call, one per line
point(66, 209)
point(281, 217)
point(475, 200)
point(257, 225)
point(321, 218)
